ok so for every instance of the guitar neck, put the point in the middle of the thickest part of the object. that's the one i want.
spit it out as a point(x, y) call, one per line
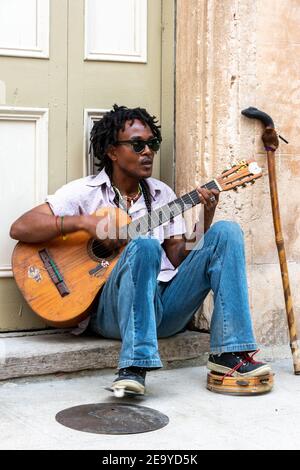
point(169, 211)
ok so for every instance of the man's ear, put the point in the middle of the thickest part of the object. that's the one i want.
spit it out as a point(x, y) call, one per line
point(111, 152)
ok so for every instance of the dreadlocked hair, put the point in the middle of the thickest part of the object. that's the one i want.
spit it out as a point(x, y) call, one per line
point(105, 133)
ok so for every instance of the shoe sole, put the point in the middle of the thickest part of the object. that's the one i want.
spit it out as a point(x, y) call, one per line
point(121, 392)
point(263, 370)
point(128, 386)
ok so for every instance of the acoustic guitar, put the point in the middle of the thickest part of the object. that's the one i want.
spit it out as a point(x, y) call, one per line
point(60, 279)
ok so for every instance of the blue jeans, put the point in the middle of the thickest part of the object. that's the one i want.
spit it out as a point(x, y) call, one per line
point(136, 308)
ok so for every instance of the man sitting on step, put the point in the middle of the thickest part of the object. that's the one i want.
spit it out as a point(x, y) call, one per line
point(158, 283)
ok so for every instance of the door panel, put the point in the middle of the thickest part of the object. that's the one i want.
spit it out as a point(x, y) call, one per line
point(33, 83)
point(99, 84)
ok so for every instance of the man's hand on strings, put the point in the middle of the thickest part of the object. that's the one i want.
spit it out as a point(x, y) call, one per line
point(210, 199)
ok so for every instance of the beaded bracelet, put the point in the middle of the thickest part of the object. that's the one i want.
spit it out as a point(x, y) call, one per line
point(270, 149)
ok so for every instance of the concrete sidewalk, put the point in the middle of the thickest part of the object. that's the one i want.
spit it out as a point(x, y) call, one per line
point(199, 419)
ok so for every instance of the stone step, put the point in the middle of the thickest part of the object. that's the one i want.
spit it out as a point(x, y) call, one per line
point(39, 354)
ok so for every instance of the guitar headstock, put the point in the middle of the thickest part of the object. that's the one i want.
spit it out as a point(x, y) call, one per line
point(240, 174)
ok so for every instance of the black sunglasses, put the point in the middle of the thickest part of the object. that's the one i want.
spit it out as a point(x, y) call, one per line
point(139, 145)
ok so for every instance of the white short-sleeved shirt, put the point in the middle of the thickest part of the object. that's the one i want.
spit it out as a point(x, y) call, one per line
point(86, 195)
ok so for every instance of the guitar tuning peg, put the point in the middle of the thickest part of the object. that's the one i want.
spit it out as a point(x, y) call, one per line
point(235, 189)
point(244, 185)
point(252, 181)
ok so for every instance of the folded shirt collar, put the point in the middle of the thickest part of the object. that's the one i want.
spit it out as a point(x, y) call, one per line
point(102, 178)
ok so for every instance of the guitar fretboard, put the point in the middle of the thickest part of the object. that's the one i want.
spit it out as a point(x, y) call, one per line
point(169, 211)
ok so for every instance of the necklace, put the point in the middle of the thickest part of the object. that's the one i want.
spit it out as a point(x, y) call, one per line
point(125, 199)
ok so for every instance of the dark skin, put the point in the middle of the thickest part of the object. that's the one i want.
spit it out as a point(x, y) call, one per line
point(39, 224)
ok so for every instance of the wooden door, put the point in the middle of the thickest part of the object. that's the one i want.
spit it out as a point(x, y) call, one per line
point(62, 64)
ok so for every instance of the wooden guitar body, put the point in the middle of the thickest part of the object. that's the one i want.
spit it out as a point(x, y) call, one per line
point(60, 279)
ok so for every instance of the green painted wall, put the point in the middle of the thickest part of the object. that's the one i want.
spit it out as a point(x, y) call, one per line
point(66, 84)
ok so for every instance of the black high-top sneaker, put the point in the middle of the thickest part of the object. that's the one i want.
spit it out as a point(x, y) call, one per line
point(237, 364)
point(130, 380)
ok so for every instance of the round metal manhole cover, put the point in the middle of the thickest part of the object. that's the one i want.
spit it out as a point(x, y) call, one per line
point(110, 418)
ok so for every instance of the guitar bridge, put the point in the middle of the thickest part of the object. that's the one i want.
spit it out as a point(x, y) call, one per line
point(54, 272)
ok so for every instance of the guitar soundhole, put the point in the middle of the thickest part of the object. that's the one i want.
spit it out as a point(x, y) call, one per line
point(98, 251)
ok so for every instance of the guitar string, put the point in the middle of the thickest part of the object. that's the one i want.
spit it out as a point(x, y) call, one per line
point(161, 210)
point(161, 215)
point(180, 208)
point(176, 203)
point(177, 207)
point(158, 212)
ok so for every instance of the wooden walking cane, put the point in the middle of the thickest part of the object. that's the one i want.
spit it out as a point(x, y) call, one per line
point(271, 143)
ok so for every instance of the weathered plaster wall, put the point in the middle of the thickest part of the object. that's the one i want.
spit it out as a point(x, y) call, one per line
point(232, 54)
